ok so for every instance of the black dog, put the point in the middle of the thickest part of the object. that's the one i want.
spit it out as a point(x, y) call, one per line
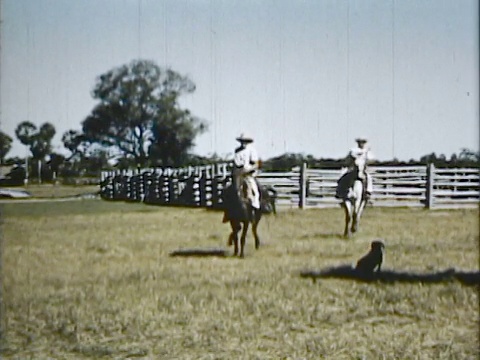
point(373, 259)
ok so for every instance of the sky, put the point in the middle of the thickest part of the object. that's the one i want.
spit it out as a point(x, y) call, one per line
point(299, 76)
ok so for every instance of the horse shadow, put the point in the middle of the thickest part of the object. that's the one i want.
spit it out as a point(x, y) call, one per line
point(199, 252)
point(390, 276)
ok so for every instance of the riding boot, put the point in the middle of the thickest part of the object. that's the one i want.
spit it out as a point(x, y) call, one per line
point(338, 194)
point(251, 214)
point(368, 196)
point(225, 217)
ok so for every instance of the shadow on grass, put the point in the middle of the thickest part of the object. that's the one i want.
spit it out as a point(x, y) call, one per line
point(389, 276)
point(319, 235)
point(200, 253)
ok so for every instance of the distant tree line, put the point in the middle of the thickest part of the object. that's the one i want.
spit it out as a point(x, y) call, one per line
point(285, 162)
point(138, 122)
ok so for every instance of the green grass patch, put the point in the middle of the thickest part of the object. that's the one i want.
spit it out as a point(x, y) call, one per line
point(48, 191)
point(93, 279)
point(71, 208)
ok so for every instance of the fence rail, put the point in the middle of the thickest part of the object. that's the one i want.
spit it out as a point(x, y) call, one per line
point(410, 186)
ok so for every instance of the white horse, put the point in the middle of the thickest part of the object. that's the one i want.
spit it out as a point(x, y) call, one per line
point(354, 200)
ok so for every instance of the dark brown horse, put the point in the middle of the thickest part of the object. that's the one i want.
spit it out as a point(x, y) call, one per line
point(240, 213)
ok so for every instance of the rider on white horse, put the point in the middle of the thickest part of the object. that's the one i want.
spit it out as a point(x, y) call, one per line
point(359, 157)
point(245, 165)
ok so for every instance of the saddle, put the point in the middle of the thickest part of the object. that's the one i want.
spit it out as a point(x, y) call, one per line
point(346, 182)
point(234, 202)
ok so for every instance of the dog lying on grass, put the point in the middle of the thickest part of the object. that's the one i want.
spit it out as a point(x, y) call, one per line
point(373, 260)
point(366, 266)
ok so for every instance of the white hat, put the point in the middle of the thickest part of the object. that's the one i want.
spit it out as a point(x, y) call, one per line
point(244, 138)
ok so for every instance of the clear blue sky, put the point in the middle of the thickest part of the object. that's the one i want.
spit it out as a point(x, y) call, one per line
point(300, 76)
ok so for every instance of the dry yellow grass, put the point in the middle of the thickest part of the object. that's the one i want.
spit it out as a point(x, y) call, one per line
point(91, 279)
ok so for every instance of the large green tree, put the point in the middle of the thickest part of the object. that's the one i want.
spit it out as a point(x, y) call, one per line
point(138, 114)
point(38, 140)
point(75, 142)
point(173, 134)
point(469, 155)
point(5, 146)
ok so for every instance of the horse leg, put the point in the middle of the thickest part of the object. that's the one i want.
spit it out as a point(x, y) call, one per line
point(234, 236)
point(347, 205)
point(359, 205)
point(354, 222)
point(243, 238)
point(358, 214)
point(256, 220)
point(235, 244)
point(354, 216)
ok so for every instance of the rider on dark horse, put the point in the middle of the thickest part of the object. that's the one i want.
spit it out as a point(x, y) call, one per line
point(357, 161)
point(245, 165)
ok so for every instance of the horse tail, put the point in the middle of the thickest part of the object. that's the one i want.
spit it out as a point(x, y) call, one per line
point(268, 197)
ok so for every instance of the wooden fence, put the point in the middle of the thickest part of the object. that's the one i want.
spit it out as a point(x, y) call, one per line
point(409, 186)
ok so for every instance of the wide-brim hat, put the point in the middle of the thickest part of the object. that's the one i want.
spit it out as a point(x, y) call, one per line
point(244, 138)
point(361, 139)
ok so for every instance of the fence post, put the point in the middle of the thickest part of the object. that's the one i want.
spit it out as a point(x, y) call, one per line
point(429, 186)
point(303, 186)
point(202, 185)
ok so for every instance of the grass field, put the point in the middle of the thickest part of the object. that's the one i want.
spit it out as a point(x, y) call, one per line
point(92, 279)
point(43, 191)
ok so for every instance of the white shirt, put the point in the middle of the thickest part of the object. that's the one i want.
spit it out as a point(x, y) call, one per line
point(246, 158)
point(361, 156)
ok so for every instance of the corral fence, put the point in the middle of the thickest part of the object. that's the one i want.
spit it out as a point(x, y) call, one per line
point(202, 186)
